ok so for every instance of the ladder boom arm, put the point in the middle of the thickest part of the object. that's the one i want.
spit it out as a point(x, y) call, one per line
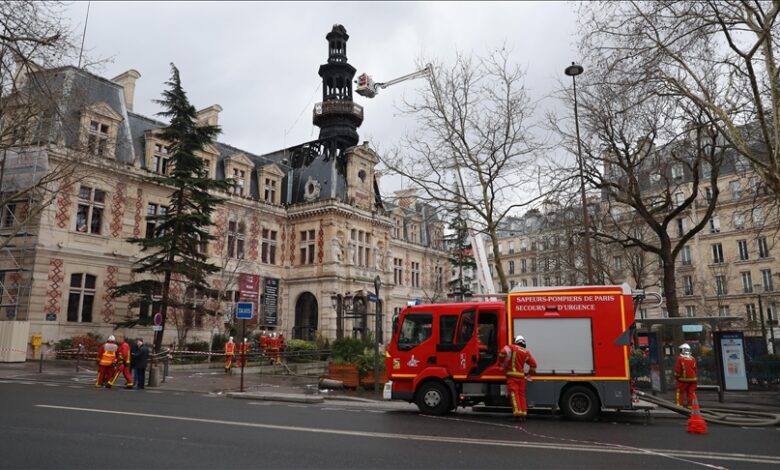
point(420, 73)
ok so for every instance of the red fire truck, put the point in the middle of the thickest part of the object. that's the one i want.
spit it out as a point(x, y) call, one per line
point(442, 356)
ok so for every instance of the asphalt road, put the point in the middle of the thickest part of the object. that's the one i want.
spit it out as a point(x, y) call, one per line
point(54, 425)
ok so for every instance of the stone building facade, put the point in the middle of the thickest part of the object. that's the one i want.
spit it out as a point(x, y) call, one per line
point(729, 268)
point(306, 225)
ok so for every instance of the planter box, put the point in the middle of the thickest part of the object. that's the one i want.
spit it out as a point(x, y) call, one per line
point(367, 378)
point(346, 373)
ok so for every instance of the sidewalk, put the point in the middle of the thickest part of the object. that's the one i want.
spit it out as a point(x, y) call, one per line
point(304, 388)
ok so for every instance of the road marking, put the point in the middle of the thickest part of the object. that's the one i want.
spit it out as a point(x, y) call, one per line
point(297, 406)
point(259, 403)
point(51, 385)
point(446, 440)
point(153, 391)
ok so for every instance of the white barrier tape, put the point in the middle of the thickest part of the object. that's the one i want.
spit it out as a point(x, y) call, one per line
point(24, 351)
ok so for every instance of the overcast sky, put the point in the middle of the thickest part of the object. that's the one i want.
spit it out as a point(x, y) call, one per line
point(259, 61)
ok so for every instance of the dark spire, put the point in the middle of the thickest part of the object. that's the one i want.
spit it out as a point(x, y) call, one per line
point(337, 115)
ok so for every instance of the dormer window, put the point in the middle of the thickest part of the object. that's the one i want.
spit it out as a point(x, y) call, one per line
point(237, 168)
point(269, 181)
point(239, 176)
point(269, 195)
point(161, 159)
point(97, 142)
point(99, 125)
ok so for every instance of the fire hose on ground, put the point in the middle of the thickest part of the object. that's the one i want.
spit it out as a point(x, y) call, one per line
point(727, 416)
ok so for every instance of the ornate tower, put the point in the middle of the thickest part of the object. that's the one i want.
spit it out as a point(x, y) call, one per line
point(337, 115)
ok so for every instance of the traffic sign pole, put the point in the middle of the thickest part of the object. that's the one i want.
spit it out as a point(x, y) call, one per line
point(243, 353)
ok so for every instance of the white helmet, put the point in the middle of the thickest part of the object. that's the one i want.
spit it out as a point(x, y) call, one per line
point(231, 339)
point(520, 340)
point(111, 338)
point(685, 349)
point(245, 340)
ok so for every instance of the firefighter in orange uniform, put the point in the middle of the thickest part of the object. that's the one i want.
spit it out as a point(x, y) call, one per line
point(123, 365)
point(243, 350)
point(275, 346)
point(230, 351)
point(282, 345)
point(685, 375)
point(106, 359)
point(515, 357)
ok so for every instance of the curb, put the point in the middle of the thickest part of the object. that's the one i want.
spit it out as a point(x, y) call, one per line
point(284, 397)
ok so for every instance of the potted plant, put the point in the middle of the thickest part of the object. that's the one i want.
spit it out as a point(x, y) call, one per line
point(343, 364)
point(365, 363)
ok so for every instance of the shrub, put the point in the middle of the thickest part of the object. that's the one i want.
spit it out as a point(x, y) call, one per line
point(365, 362)
point(201, 346)
point(297, 349)
point(64, 343)
point(90, 341)
point(346, 350)
point(218, 343)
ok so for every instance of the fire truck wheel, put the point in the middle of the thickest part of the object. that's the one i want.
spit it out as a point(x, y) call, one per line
point(580, 403)
point(433, 398)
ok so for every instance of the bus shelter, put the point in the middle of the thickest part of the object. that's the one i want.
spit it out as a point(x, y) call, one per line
point(655, 350)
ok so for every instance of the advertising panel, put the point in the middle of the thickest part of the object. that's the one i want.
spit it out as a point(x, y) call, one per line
point(733, 359)
point(270, 301)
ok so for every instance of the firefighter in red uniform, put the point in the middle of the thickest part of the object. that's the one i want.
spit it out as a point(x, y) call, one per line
point(106, 359)
point(230, 351)
point(243, 350)
point(264, 342)
point(123, 365)
point(515, 357)
point(685, 375)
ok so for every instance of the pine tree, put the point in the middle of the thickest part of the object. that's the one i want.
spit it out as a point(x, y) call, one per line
point(173, 251)
point(461, 256)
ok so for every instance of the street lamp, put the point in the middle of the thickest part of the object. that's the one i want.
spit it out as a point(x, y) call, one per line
point(377, 330)
point(573, 70)
point(772, 323)
point(761, 313)
point(337, 301)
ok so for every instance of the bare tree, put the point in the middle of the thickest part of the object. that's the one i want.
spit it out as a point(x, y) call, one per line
point(473, 146)
point(720, 57)
point(33, 42)
point(650, 156)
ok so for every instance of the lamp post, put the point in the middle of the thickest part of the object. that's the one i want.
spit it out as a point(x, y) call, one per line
point(337, 301)
point(761, 314)
point(772, 323)
point(573, 70)
point(377, 332)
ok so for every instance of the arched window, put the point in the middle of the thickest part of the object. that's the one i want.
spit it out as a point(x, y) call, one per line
point(81, 297)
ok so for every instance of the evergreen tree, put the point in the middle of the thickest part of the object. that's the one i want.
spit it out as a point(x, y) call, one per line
point(173, 251)
point(461, 256)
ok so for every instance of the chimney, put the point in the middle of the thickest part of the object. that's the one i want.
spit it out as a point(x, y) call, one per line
point(127, 81)
point(209, 116)
point(23, 68)
point(406, 197)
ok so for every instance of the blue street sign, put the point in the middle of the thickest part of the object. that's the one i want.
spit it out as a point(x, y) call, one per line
point(372, 298)
point(245, 310)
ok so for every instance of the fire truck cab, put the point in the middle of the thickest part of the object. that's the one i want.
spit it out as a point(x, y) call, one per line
point(442, 356)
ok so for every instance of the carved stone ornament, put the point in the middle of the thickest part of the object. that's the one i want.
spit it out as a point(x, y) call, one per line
point(311, 190)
